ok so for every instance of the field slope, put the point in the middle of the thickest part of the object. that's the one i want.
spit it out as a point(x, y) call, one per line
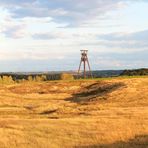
point(84, 113)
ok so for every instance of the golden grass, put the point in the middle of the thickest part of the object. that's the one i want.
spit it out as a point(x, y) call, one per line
point(88, 113)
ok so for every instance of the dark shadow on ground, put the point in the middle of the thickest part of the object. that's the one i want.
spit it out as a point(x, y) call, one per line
point(137, 142)
point(98, 90)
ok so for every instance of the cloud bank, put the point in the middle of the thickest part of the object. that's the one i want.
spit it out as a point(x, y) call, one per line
point(32, 29)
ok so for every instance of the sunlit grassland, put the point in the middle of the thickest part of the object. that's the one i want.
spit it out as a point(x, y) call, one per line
point(104, 112)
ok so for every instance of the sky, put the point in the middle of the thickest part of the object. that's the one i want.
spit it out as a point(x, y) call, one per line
point(47, 35)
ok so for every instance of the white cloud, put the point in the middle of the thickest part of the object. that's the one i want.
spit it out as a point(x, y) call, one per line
point(129, 40)
point(58, 29)
point(30, 55)
point(68, 11)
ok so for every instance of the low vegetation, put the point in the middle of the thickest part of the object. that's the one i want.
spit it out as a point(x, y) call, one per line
point(66, 76)
point(10, 79)
point(75, 113)
point(136, 72)
point(6, 80)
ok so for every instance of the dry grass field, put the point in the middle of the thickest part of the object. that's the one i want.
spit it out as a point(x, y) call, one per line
point(106, 113)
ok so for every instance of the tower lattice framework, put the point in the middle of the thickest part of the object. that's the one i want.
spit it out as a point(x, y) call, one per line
point(84, 60)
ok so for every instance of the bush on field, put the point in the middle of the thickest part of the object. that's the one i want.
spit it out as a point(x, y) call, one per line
point(66, 76)
point(40, 78)
point(6, 80)
point(30, 78)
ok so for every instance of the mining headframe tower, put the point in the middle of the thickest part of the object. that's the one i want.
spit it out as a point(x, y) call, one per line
point(84, 60)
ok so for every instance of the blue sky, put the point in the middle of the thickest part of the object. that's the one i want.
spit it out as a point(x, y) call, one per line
point(47, 35)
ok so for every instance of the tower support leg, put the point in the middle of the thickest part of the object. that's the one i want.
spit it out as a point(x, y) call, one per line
point(85, 60)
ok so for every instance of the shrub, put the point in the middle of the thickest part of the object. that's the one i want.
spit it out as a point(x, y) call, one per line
point(43, 77)
point(6, 80)
point(66, 76)
point(1, 80)
point(30, 78)
point(40, 78)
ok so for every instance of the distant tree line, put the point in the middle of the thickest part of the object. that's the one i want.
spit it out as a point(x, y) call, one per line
point(106, 73)
point(136, 72)
point(16, 78)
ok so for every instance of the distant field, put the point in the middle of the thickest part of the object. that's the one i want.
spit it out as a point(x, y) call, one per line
point(110, 112)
